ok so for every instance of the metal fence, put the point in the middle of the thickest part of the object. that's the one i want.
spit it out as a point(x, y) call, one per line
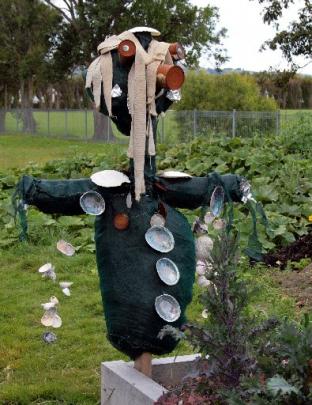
point(174, 126)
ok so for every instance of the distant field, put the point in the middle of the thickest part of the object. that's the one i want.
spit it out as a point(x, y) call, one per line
point(19, 150)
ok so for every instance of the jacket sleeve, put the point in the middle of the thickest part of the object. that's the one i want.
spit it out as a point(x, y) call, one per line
point(196, 191)
point(54, 196)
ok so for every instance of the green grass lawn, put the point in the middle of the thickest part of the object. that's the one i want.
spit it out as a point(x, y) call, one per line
point(68, 371)
point(19, 150)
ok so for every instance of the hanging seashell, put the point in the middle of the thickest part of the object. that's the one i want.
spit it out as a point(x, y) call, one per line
point(219, 224)
point(65, 248)
point(203, 282)
point(205, 313)
point(204, 246)
point(160, 239)
point(198, 227)
point(168, 271)
point(129, 200)
point(109, 178)
point(121, 221)
point(208, 218)
point(92, 203)
point(217, 201)
point(158, 220)
point(167, 307)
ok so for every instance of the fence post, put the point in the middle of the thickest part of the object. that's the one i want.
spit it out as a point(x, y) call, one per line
point(162, 128)
point(86, 124)
point(66, 123)
point(48, 122)
point(277, 122)
point(233, 123)
point(194, 124)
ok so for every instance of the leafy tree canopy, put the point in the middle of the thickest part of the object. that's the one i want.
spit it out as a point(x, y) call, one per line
point(222, 93)
point(87, 23)
point(297, 39)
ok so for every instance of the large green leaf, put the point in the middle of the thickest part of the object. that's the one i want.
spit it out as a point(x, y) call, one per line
point(278, 385)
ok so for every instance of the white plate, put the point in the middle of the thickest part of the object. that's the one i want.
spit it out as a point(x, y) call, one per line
point(173, 174)
point(109, 178)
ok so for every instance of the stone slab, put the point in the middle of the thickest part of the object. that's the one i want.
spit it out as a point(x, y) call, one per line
point(122, 384)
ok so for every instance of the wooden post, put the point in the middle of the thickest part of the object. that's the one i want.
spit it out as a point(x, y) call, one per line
point(143, 364)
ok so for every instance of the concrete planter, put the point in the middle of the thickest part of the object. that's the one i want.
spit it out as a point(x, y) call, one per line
point(122, 384)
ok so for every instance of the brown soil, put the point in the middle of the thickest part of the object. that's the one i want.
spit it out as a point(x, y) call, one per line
point(300, 249)
point(297, 284)
point(191, 393)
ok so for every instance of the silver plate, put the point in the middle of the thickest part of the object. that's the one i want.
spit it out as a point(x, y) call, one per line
point(92, 203)
point(160, 239)
point(167, 307)
point(168, 271)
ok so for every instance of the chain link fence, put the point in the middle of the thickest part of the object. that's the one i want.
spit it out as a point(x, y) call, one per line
point(174, 126)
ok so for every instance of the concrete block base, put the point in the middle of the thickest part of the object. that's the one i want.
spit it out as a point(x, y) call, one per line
point(122, 384)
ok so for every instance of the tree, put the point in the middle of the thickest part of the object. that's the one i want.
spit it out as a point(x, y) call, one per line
point(297, 39)
point(226, 92)
point(87, 23)
point(28, 30)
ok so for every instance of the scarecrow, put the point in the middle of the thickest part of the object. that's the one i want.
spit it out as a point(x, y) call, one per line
point(145, 248)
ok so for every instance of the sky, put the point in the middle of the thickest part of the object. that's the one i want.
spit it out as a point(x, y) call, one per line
point(246, 33)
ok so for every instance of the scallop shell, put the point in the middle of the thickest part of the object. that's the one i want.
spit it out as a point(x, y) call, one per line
point(48, 316)
point(65, 248)
point(167, 307)
point(54, 300)
point(56, 321)
point(92, 203)
point(109, 178)
point(174, 174)
point(160, 239)
point(48, 305)
point(66, 291)
point(65, 284)
point(168, 271)
point(46, 267)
